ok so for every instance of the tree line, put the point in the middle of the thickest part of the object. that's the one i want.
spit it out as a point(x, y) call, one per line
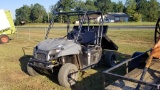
point(139, 10)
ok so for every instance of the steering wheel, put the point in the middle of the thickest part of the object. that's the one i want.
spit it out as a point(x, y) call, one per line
point(157, 31)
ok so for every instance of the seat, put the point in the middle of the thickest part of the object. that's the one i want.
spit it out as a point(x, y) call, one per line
point(87, 38)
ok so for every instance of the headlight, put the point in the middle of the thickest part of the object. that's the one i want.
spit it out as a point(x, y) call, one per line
point(58, 50)
point(60, 47)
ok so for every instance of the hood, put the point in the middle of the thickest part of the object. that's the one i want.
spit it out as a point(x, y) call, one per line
point(51, 44)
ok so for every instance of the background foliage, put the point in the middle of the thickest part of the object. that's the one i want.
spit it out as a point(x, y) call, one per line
point(139, 10)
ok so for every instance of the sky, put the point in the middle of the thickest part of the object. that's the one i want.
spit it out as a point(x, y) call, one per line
point(12, 5)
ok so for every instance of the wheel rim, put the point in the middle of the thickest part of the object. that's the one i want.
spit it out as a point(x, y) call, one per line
point(157, 31)
point(71, 77)
point(113, 60)
point(4, 39)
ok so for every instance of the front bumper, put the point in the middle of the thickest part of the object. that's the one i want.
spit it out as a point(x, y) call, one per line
point(40, 64)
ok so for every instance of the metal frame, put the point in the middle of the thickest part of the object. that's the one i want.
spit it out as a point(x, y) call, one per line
point(108, 72)
point(82, 14)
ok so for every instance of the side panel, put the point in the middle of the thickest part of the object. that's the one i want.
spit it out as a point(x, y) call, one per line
point(90, 57)
point(6, 23)
point(11, 22)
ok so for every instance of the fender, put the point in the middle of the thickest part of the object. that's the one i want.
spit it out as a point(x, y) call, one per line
point(70, 50)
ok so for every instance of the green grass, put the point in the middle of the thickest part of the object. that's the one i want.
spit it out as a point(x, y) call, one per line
point(110, 24)
point(132, 24)
point(13, 75)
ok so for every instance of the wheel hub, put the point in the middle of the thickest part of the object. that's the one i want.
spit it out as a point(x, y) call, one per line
point(71, 77)
point(4, 39)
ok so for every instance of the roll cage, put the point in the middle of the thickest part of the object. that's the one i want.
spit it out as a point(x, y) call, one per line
point(79, 33)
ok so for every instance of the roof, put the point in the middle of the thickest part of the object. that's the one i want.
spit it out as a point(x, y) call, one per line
point(119, 15)
point(79, 13)
point(91, 17)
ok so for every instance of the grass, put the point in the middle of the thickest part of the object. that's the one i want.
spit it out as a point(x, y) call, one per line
point(110, 24)
point(13, 75)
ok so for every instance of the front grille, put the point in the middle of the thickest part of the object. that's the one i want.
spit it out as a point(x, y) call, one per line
point(40, 65)
point(41, 56)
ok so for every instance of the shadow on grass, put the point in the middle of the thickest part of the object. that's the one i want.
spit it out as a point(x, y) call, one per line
point(24, 61)
point(96, 81)
point(53, 77)
point(89, 82)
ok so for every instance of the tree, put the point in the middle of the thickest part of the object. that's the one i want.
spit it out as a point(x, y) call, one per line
point(131, 7)
point(142, 8)
point(152, 10)
point(114, 5)
point(23, 14)
point(80, 5)
point(117, 7)
point(89, 5)
point(104, 5)
point(66, 5)
point(63, 6)
point(137, 17)
point(120, 6)
point(38, 14)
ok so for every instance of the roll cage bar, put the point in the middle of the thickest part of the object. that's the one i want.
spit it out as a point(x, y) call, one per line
point(80, 14)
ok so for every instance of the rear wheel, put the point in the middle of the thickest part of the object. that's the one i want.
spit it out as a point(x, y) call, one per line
point(31, 71)
point(4, 38)
point(110, 58)
point(68, 75)
point(137, 62)
point(157, 31)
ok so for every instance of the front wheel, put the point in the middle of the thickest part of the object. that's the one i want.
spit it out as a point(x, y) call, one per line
point(31, 71)
point(68, 75)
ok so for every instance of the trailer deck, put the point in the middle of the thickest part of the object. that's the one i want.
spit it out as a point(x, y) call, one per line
point(152, 76)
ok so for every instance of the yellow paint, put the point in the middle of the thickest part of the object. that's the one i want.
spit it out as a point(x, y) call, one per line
point(12, 29)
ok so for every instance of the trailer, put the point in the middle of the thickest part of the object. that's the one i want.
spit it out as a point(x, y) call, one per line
point(139, 76)
point(6, 25)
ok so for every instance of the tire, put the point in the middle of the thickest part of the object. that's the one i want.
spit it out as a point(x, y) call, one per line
point(4, 39)
point(156, 32)
point(31, 71)
point(110, 58)
point(64, 71)
point(137, 61)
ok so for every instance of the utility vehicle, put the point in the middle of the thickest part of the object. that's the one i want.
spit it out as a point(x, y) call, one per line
point(81, 48)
